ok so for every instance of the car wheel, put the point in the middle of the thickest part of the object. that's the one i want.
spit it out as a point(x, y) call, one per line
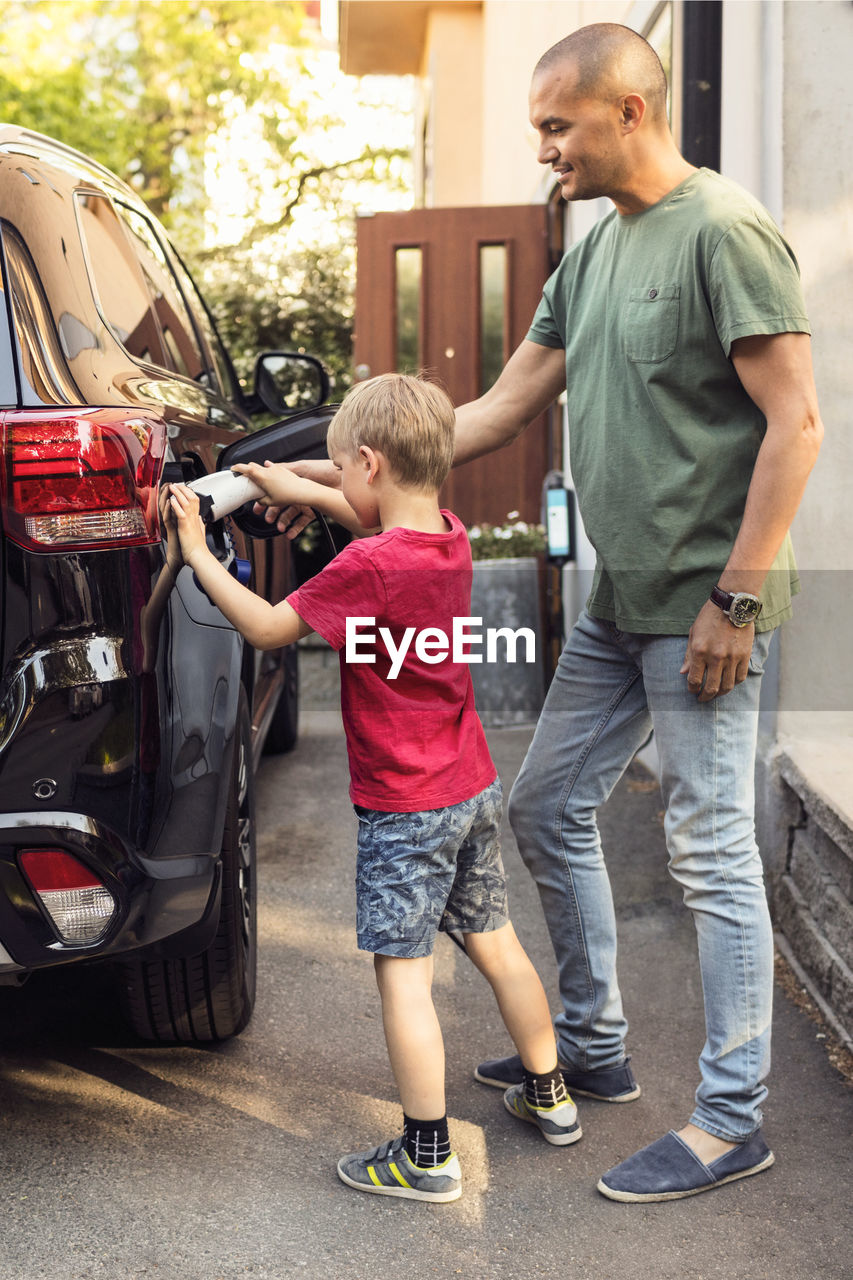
point(284, 726)
point(210, 996)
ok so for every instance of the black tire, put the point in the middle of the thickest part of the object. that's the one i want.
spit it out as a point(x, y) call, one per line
point(210, 996)
point(284, 726)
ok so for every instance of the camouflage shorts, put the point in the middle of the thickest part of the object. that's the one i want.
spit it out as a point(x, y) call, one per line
point(421, 872)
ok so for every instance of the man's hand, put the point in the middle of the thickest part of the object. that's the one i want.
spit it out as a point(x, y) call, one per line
point(717, 655)
point(282, 506)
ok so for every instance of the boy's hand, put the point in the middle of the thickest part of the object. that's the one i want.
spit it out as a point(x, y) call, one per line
point(169, 525)
point(191, 532)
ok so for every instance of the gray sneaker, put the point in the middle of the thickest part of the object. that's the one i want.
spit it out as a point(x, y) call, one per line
point(388, 1171)
point(607, 1084)
point(558, 1125)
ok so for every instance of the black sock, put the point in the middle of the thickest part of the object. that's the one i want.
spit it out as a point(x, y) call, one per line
point(544, 1091)
point(427, 1141)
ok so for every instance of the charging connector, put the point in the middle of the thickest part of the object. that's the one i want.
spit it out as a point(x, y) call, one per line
point(223, 492)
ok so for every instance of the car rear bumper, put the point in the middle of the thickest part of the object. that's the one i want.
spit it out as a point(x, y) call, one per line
point(165, 899)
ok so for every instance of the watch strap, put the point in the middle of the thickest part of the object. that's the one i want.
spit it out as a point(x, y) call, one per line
point(722, 599)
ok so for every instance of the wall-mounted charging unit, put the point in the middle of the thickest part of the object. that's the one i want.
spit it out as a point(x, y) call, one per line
point(558, 517)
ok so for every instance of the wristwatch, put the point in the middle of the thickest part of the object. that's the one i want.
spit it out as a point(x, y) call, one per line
point(740, 607)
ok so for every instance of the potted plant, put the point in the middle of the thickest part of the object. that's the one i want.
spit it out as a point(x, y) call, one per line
point(506, 594)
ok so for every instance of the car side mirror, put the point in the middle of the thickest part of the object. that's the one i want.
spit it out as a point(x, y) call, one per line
point(287, 382)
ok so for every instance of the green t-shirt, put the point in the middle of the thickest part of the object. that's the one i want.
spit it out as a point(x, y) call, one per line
point(663, 437)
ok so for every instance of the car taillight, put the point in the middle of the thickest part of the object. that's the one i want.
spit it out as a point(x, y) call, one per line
point(80, 479)
point(79, 905)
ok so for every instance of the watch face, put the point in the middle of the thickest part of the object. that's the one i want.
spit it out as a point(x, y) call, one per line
point(744, 609)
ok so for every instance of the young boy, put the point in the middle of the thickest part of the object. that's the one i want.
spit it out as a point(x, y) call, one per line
point(422, 781)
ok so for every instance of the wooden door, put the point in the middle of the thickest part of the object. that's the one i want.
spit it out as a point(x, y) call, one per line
point(452, 292)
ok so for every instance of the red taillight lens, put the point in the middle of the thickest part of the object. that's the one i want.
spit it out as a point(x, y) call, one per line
point(79, 905)
point(49, 869)
point(81, 479)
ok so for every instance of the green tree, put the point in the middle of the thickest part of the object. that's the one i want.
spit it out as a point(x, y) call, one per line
point(174, 95)
point(141, 85)
point(301, 300)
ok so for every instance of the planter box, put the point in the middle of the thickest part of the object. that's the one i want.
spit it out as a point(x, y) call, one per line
point(505, 593)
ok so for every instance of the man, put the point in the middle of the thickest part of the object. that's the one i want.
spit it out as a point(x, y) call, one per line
point(678, 330)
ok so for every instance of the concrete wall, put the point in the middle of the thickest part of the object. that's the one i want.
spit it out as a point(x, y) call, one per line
point(515, 37)
point(786, 66)
point(477, 64)
point(453, 70)
point(813, 755)
point(816, 685)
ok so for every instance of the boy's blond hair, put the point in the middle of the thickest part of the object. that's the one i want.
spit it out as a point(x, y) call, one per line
point(410, 421)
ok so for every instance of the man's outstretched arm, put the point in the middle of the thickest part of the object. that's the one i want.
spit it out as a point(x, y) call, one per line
point(531, 380)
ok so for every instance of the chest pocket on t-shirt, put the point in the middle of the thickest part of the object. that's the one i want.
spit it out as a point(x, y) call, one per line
point(651, 323)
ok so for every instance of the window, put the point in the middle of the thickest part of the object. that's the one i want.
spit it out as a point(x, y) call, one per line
point(408, 264)
point(176, 324)
point(220, 360)
point(45, 355)
point(136, 289)
point(493, 354)
point(120, 288)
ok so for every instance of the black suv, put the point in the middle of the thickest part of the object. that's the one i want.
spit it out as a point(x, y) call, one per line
point(132, 715)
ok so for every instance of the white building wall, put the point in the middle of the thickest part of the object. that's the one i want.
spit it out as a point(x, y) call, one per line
point(816, 691)
point(454, 85)
point(515, 36)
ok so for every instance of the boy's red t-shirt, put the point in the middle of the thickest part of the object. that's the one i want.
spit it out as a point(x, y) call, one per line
point(416, 741)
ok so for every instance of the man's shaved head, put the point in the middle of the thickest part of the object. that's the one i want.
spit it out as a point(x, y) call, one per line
point(611, 60)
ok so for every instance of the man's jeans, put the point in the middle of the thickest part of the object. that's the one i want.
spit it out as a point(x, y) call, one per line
point(609, 690)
